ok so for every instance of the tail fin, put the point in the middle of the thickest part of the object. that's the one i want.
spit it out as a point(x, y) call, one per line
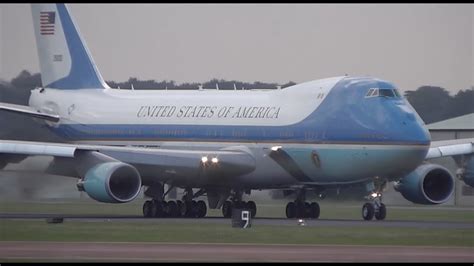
point(65, 61)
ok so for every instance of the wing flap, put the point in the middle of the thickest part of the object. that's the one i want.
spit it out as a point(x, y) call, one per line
point(36, 148)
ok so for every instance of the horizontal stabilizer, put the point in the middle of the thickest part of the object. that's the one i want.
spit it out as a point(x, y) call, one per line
point(27, 110)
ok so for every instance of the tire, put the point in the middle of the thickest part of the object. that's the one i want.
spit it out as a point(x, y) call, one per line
point(300, 210)
point(315, 210)
point(291, 210)
point(306, 210)
point(181, 208)
point(194, 209)
point(227, 209)
point(253, 208)
point(201, 209)
point(157, 209)
point(188, 209)
point(368, 211)
point(147, 209)
point(380, 215)
point(172, 209)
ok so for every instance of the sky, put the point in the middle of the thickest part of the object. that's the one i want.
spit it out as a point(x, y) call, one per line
point(410, 45)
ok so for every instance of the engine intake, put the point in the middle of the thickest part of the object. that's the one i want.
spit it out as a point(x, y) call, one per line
point(107, 180)
point(427, 184)
point(113, 182)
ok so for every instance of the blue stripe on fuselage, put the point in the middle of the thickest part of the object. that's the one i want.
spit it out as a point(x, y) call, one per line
point(345, 116)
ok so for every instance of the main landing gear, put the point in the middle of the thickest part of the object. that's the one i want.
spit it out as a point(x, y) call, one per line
point(302, 209)
point(181, 208)
point(236, 203)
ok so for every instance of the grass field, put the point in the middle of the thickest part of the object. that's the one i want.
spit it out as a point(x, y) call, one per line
point(102, 230)
point(39, 230)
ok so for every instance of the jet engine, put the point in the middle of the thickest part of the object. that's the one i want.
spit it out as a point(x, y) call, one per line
point(466, 171)
point(108, 180)
point(428, 184)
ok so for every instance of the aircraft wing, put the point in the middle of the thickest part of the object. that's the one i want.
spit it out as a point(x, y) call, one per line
point(232, 161)
point(450, 148)
point(27, 110)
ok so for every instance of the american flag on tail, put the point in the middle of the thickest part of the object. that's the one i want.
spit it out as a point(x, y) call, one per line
point(47, 20)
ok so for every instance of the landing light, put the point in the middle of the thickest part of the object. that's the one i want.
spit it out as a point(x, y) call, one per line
point(275, 148)
point(374, 195)
point(214, 160)
point(204, 159)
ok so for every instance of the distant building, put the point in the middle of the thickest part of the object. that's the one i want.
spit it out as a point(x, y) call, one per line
point(460, 127)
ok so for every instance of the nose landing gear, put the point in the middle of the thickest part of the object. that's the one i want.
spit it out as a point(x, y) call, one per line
point(375, 208)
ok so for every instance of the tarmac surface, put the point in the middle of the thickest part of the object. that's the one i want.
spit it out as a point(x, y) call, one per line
point(147, 252)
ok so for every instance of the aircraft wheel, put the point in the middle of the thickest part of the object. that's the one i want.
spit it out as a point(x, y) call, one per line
point(380, 215)
point(300, 210)
point(201, 209)
point(181, 208)
point(147, 209)
point(157, 209)
point(227, 209)
point(253, 208)
point(290, 210)
point(306, 210)
point(194, 209)
point(314, 210)
point(187, 209)
point(368, 211)
point(172, 208)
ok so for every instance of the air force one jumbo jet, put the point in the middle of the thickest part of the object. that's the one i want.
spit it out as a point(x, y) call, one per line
point(309, 137)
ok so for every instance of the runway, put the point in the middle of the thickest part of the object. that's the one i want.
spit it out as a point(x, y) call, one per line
point(255, 221)
point(147, 252)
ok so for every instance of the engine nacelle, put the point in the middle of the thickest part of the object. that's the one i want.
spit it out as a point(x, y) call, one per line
point(466, 172)
point(427, 184)
point(112, 182)
point(107, 180)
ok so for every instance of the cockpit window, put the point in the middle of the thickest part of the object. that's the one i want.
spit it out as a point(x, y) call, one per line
point(369, 93)
point(377, 92)
point(397, 93)
point(386, 93)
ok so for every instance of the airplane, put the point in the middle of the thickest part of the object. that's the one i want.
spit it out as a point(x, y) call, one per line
point(306, 138)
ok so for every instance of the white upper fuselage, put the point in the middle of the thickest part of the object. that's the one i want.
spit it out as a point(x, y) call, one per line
point(185, 107)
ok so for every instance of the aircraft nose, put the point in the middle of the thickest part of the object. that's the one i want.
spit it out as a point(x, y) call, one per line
point(412, 126)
